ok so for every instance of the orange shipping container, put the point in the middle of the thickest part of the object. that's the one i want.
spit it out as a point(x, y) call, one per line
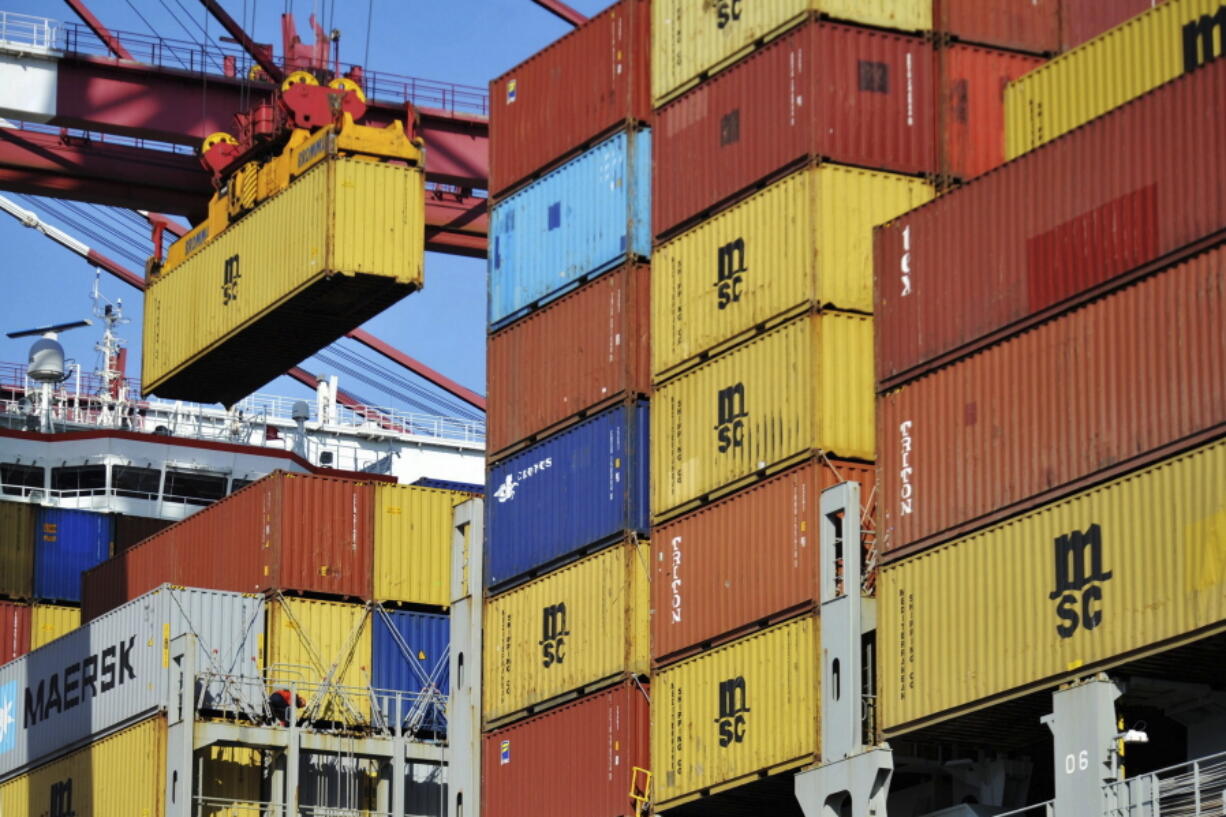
point(1023, 25)
point(14, 630)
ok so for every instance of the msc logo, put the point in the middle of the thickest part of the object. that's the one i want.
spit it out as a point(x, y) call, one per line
point(730, 430)
point(229, 281)
point(1198, 40)
point(727, 11)
point(733, 704)
point(553, 634)
point(507, 489)
point(730, 272)
point(1079, 570)
point(61, 799)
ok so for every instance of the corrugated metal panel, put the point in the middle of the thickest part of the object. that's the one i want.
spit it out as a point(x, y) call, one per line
point(16, 550)
point(584, 84)
point(118, 775)
point(1137, 370)
point(409, 654)
point(581, 625)
point(1023, 25)
point(229, 773)
point(852, 95)
point(735, 713)
point(130, 530)
point(598, 740)
point(1130, 59)
point(1082, 20)
point(412, 544)
point(1070, 588)
point(706, 587)
point(692, 39)
point(971, 117)
point(805, 240)
point(49, 621)
point(14, 630)
point(580, 488)
point(587, 217)
point(584, 350)
point(989, 256)
point(272, 303)
point(804, 387)
point(66, 544)
point(322, 643)
point(113, 670)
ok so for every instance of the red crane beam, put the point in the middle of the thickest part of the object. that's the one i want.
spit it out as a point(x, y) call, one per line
point(562, 10)
point(417, 367)
point(261, 56)
point(101, 31)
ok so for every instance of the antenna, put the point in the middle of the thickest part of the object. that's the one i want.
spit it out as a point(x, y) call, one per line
point(53, 329)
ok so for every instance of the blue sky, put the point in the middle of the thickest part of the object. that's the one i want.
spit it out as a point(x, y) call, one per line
point(461, 41)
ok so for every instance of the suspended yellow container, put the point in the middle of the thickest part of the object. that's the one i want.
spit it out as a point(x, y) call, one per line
point(806, 241)
point(732, 714)
point(321, 645)
point(339, 245)
point(577, 628)
point(1133, 566)
point(770, 402)
point(1137, 56)
point(16, 550)
point(413, 543)
point(692, 39)
point(50, 621)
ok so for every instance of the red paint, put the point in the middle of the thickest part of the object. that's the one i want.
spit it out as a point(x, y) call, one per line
point(1022, 25)
point(1083, 20)
point(857, 96)
point(14, 630)
point(1116, 194)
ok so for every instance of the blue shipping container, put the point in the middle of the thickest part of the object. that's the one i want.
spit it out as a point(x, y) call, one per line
point(409, 654)
point(66, 544)
point(585, 218)
point(583, 487)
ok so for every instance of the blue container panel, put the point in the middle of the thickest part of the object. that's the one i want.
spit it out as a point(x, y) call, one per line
point(448, 485)
point(66, 544)
point(409, 655)
point(582, 487)
point(587, 217)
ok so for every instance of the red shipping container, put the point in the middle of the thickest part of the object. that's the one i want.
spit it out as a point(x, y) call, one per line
point(284, 532)
point(857, 96)
point(576, 355)
point(591, 82)
point(1077, 216)
point(1121, 382)
point(1083, 20)
point(130, 530)
point(1023, 25)
point(971, 116)
point(576, 759)
point(14, 630)
point(744, 561)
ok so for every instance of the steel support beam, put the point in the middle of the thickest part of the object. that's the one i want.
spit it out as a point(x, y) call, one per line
point(562, 10)
point(100, 31)
point(262, 57)
point(417, 367)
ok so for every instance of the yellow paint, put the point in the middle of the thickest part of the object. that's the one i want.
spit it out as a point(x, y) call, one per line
point(805, 240)
point(946, 615)
point(413, 543)
point(692, 39)
point(16, 550)
point(311, 642)
point(50, 621)
point(805, 386)
point(580, 625)
point(1104, 73)
point(230, 781)
point(725, 716)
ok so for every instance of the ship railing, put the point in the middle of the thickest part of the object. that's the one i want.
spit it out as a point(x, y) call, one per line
point(1044, 809)
point(212, 806)
point(27, 32)
point(1196, 788)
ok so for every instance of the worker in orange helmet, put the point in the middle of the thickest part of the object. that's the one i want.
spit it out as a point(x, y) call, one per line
point(279, 704)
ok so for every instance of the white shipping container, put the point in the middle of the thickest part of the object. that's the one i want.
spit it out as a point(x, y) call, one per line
point(115, 670)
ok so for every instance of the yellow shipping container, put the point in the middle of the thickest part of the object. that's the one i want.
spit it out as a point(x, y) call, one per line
point(16, 550)
point(50, 621)
point(313, 642)
point(1135, 565)
point(339, 245)
point(1137, 56)
point(580, 626)
point(413, 543)
point(692, 39)
point(805, 241)
point(803, 387)
point(729, 715)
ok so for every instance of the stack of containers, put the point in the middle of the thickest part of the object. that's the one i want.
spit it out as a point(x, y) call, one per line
point(565, 614)
point(784, 133)
point(1051, 369)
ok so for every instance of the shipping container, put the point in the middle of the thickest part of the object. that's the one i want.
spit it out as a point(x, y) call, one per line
point(580, 758)
point(14, 630)
point(324, 648)
point(587, 217)
point(582, 352)
point(971, 113)
point(1082, 20)
point(113, 670)
point(412, 544)
point(803, 388)
point(1116, 572)
point(66, 544)
point(710, 584)
point(1021, 242)
point(736, 713)
point(16, 550)
point(283, 532)
point(803, 242)
point(1100, 388)
point(129, 530)
point(569, 632)
point(409, 654)
point(50, 621)
point(1020, 25)
point(586, 84)
point(580, 489)
point(693, 39)
point(851, 95)
point(1137, 56)
point(352, 243)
